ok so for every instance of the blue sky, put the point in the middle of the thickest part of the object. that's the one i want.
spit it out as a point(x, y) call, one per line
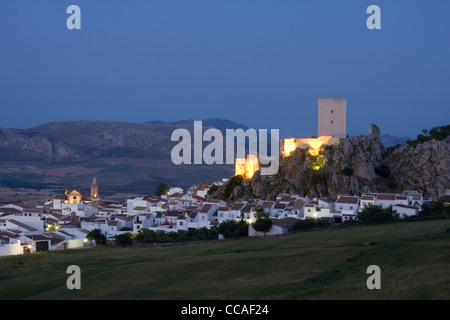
point(261, 63)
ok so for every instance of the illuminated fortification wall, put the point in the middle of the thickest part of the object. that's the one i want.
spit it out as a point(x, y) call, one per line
point(312, 144)
point(247, 167)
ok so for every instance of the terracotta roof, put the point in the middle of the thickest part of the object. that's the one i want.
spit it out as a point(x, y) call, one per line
point(237, 206)
point(280, 206)
point(416, 196)
point(112, 223)
point(206, 208)
point(368, 198)
point(348, 199)
point(248, 207)
point(286, 198)
point(192, 214)
point(37, 237)
point(197, 197)
point(74, 193)
point(172, 213)
point(66, 233)
point(22, 225)
point(9, 210)
point(299, 204)
point(214, 200)
point(386, 196)
point(267, 204)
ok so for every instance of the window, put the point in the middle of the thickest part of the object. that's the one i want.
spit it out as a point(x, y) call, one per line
point(332, 110)
point(331, 121)
point(181, 223)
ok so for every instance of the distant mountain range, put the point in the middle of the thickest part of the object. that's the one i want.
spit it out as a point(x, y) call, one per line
point(390, 141)
point(126, 157)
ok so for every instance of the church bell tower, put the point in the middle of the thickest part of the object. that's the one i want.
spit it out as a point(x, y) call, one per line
point(94, 190)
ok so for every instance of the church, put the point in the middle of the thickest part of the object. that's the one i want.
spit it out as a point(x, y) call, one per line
point(75, 196)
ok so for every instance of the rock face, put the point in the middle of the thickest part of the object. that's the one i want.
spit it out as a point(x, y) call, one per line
point(354, 166)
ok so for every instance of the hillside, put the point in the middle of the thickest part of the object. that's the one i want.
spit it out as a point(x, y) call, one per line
point(354, 166)
point(330, 264)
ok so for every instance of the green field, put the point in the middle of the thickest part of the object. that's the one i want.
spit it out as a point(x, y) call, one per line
point(331, 264)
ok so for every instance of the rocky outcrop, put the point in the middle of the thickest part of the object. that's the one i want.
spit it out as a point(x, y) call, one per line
point(354, 166)
point(425, 167)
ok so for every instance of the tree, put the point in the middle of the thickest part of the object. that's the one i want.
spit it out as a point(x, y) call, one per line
point(263, 222)
point(262, 225)
point(161, 189)
point(97, 236)
point(233, 228)
point(435, 208)
point(146, 235)
point(124, 239)
point(375, 214)
point(213, 189)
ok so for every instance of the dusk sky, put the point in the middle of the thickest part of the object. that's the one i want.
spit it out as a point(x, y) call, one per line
point(260, 63)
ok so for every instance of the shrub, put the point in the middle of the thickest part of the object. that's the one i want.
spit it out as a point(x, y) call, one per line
point(233, 229)
point(375, 214)
point(310, 223)
point(232, 183)
point(124, 239)
point(97, 236)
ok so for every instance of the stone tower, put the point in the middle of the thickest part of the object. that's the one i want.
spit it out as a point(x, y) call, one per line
point(94, 190)
point(332, 117)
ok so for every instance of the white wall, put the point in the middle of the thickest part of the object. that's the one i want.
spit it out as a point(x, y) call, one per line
point(11, 249)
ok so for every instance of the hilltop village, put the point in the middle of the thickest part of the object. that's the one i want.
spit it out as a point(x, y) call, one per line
point(64, 221)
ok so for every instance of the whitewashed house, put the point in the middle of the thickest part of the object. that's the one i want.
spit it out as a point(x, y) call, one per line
point(298, 210)
point(279, 227)
point(223, 213)
point(235, 211)
point(205, 215)
point(347, 203)
point(385, 200)
point(405, 211)
point(367, 200)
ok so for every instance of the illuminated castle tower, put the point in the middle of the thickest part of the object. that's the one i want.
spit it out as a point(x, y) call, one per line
point(332, 117)
point(94, 190)
point(247, 167)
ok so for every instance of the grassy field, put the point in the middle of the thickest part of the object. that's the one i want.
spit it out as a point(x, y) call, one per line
point(414, 259)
